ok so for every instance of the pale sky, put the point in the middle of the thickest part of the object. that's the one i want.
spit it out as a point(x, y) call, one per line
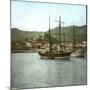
point(31, 16)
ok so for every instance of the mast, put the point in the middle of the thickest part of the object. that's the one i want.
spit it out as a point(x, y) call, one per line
point(50, 46)
point(74, 39)
point(64, 41)
point(60, 31)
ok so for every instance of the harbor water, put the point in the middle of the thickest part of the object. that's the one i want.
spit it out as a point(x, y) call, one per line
point(28, 70)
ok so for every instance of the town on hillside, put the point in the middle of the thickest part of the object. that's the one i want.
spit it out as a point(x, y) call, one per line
point(40, 43)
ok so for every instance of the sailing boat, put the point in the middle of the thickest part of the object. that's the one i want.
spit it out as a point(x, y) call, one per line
point(55, 54)
point(76, 52)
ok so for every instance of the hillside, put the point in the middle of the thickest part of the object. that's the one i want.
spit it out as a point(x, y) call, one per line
point(80, 32)
point(17, 34)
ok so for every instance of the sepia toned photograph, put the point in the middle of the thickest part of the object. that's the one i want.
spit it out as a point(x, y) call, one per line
point(48, 44)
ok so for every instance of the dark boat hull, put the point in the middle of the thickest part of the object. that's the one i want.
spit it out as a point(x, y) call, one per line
point(54, 54)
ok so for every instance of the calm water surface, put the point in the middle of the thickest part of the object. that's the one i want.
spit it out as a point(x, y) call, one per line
point(29, 71)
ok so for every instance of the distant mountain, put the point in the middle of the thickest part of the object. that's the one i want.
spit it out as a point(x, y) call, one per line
point(80, 33)
point(17, 34)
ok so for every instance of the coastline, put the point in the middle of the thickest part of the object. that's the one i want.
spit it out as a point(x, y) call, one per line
point(23, 51)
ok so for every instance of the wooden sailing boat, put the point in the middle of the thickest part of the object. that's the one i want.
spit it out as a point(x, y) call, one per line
point(76, 52)
point(55, 54)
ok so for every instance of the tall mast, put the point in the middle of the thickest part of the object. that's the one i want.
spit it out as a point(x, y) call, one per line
point(60, 31)
point(50, 46)
point(64, 41)
point(74, 38)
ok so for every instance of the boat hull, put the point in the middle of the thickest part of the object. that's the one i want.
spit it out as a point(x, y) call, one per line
point(77, 54)
point(55, 54)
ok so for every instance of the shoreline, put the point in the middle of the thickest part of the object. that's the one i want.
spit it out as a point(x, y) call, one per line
point(23, 51)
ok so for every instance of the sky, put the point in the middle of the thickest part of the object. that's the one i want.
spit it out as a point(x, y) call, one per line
point(33, 16)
